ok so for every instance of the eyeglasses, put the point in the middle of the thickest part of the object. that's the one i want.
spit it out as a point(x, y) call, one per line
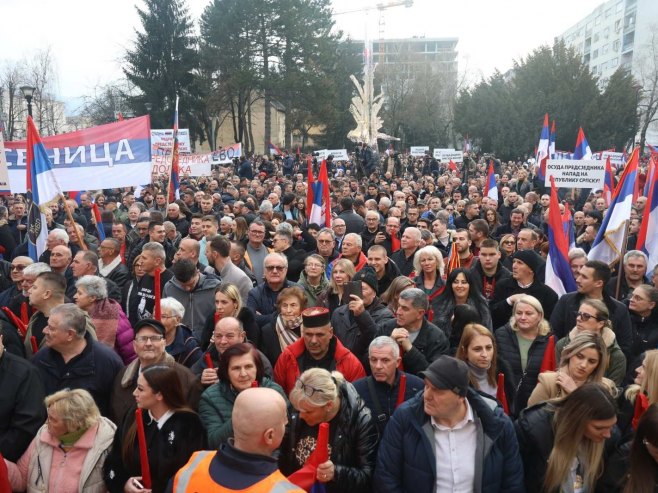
point(18, 267)
point(586, 316)
point(509, 242)
point(325, 242)
point(271, 268)
point(314, 265)
point(144, 339)
point(257, 233)
point(634, 297)
point(308, 390)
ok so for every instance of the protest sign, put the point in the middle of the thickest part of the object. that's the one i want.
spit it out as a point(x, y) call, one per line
point(107, 156)
point(570, 173)
point(447, 155)
point(162, 141)
point(338, 154)
point(418, 151)
point(617, 159)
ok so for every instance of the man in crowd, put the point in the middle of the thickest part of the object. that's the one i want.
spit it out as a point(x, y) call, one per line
point(282, 243)
point(478, 231)
point(634, 275)
point(209, 227)
point(488, 269)
point(110, 265)
point(156, 234)
point(262, 299)
point(451, 437)
point(410, 243)
point(73, 359)
point(385, 269)
point(351, 250)
point(462, 241)
point(218, 251)
point(46, 293)
point(85, 263)
point(353, 222)
point(384, 390)
point(318, 347)
point(421, 342)
point(256, 251)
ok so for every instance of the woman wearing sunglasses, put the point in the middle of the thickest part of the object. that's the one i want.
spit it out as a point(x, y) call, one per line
point(323, 397)
point(593, 316)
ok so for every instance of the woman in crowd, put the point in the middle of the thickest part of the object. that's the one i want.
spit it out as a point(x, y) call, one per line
point(229, 303)
point(428, 269)
point(583, 360)
point(643, 461)
point(286, 325)
point(299, 213)
point(172, 430)
point(240, 229)
point(238, 369)
point(461, 289)
point(320, 396)
point(646, 382)
point(493, 219)
point(593, 316)
point(391, 296)
point(562, 442)
point(181, 343)
point(477, 348)
point(508, 245)
point(644, 318)
point(522, 343)
point(137, 273)
point(68, 452)
point(313, 278)
point(112, 326)
point(332, 297)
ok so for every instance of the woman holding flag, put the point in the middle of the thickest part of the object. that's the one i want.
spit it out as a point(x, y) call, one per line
point(323, 397)
point(157, 439)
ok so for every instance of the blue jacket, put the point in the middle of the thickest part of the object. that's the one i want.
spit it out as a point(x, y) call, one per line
point(407, 461)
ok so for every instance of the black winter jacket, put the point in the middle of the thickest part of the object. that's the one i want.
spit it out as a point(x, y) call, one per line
point(430, 343)
point(22, 411)
point(352, 440)
point(526, 381)
point(501, 311)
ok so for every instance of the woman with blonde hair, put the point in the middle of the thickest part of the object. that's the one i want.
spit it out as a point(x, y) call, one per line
point(323, 397)
point(583, 360)
point(646, 382)
point(391, 296)
point(332, 297)
point(593, 316)
point(240, 229)
point(477, 348)
point(68, 452)
point(428, 274)
point(562, 442)
point(522, 343)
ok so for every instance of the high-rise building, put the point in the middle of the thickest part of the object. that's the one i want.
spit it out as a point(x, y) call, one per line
point(615, 35)
point(439, 55)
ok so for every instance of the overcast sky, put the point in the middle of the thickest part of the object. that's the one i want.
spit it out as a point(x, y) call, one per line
point(89, 37)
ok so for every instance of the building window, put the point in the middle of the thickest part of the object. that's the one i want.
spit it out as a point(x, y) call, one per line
point(605, 48)
point(617, 25)
point(614, 62)
point(595, 54)
point(615, 45)
point(596, 38)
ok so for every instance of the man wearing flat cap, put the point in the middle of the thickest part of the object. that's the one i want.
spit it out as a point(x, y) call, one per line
point(525, 264)
point(317, 348)
point(149, 345)
point(449, 438)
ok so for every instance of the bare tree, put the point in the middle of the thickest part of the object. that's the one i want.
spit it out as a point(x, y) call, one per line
point(11, 99)
point(646, 68)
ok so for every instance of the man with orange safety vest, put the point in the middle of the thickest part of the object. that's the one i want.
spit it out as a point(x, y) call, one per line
point(247, 465)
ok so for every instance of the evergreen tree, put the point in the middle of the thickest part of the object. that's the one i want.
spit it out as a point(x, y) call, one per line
point(164, 63)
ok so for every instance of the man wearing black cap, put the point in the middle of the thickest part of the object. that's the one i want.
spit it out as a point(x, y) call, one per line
point(355, 324)
point(473, 444)
point(149, 345)
point(317, 348)
point(525, 264)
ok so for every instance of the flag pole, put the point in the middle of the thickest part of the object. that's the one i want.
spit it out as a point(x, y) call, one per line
point(69, 216)
point(621, 259)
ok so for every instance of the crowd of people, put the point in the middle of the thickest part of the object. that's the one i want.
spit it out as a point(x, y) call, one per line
point(213, 336)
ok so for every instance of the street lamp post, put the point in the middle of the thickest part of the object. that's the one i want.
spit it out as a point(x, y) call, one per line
point(28, 92)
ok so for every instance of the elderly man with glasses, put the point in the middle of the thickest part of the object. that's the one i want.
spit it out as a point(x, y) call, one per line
point(262, 298)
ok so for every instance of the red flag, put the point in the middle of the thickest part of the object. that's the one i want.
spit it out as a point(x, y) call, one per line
point(208, 360)
point(453, 167)
point(548, 363)
point(33, 343)
point(25, 318)
point(20, 325)
point(254, 384)
point(157, 311)
point(326, 196)
point(309, 186)
point(143, 454)
point(641, 405)
point(501, 396)
point(401, 389)
point(5, 486)
point(305, 477)
point(454, 262)
point(217, 317)
point(395, 243)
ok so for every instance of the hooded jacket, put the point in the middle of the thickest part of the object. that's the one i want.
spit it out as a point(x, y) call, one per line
point(198, 303)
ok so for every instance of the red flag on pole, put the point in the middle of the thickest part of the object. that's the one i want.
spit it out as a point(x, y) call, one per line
point(157, 310)
point(5, 486)
point(549, 363)
point(641, 405)
point(402, 388)
point(143, 454)
point(305, 477)
point(501, 395)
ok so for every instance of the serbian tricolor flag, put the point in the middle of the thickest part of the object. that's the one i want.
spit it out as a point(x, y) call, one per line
point(551, 141)
point(490, 188)
point(608, 183)
point(543, 152)
point(558, 272)
point(319, 211)
point(649, 226)
point(274, 150)
point(42, 190)
point(582, 150)
point(609, 245)
point(174, 181)
point(306, 476)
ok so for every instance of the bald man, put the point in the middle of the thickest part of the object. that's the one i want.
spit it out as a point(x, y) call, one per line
point(259, 421)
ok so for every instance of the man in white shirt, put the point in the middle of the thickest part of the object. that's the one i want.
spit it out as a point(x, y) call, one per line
point(449, 439)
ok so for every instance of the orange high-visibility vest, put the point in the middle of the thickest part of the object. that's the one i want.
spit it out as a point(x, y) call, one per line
point(194, 477)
